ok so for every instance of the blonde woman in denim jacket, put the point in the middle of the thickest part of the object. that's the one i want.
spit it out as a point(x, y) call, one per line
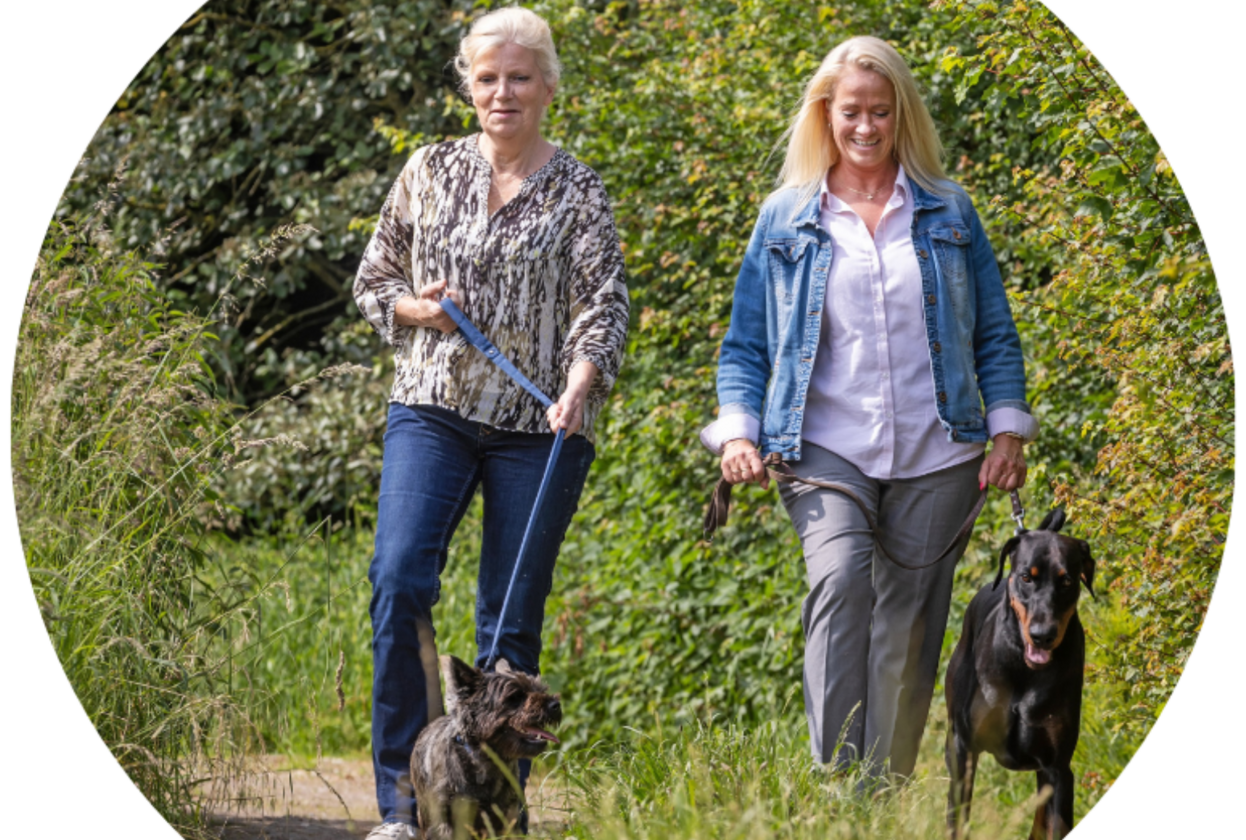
point(869, 328)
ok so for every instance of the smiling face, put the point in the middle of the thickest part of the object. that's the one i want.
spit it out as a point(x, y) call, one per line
point(862, 116)
point(509, 93)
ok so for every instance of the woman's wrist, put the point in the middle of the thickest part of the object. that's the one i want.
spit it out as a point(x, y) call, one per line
point(580, 378)
point(408, 311)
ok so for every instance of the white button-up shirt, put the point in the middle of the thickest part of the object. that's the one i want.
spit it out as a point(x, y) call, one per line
point(871, 395)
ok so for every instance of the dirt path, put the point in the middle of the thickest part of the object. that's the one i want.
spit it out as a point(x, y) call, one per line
point(333, 800)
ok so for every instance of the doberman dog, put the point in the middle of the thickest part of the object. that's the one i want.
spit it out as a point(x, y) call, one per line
point(1014, 684)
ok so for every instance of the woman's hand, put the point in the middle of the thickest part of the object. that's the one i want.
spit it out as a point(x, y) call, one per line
point(568, 412)
point(742, 465)
point(1004, 466)
point(425, 311)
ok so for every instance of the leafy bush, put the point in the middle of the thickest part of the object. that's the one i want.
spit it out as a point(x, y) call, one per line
point(332, 426)
point(259, 113)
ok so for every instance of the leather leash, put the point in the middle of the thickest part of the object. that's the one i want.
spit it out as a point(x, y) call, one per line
point(720, 505)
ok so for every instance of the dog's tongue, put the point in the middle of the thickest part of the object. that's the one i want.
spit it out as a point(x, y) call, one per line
point(1036, 656)
point(533, 732)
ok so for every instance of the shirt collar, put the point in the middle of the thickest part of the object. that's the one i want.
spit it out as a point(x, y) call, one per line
point(827, 200)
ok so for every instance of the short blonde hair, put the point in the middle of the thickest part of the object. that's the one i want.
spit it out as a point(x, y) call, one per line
point(811, 149)
point(512, 25)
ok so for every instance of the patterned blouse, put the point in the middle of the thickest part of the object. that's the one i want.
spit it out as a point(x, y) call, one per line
point(542, 278)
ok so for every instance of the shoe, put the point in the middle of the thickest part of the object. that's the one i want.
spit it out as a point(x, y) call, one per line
point(392, 831)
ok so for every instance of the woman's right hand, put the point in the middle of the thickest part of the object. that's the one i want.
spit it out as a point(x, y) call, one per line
point(742, 464)
point(425, 311)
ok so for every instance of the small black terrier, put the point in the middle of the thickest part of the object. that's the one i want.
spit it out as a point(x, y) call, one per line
point(465, 766)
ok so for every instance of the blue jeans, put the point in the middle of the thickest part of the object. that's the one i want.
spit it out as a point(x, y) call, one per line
point(434, 461)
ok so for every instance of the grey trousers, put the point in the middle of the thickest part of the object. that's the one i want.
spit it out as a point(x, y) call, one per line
point(874, 631)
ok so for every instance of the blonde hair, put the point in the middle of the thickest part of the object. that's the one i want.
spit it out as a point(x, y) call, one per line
point(512, 25)
point(811, 149)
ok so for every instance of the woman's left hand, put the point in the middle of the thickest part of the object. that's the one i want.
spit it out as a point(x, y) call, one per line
point(1004, 466)
point(568, 412)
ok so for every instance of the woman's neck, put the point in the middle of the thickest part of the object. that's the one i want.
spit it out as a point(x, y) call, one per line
point(515, 158)
point(872, 181)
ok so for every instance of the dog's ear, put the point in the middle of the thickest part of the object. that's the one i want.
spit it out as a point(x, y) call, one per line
point(503, 667)
point(1008, 549)
point(1088, 567)
point(1053, 521)
point(462, 680)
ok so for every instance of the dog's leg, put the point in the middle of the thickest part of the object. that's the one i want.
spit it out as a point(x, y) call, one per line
point(961, 765)
point(1060, 806)
point(1043, 824)
point(1054, 818)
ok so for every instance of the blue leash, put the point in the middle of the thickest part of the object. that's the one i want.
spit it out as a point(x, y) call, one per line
point(477, 339)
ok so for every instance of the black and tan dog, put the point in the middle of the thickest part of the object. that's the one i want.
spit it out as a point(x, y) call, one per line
point(1014, 684)
point(465, 766)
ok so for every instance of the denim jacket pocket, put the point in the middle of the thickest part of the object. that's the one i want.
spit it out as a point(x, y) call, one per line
point(784, 258)
point(950, 243)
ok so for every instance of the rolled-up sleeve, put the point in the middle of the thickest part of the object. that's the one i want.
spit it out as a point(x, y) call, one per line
point(598, 287)
point(385, 274)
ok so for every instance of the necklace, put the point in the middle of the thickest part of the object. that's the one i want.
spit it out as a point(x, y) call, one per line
point(869, 196)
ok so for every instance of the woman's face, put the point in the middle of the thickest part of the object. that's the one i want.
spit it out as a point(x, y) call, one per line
point(509, 93)
point(862, 116)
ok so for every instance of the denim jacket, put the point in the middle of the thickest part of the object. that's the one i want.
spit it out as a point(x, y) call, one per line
point(768, 352)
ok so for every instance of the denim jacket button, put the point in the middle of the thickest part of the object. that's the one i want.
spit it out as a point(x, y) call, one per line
point(922, 253)
point(956, 234)
point(930, 299)
point(943, 396)
point(937, 347)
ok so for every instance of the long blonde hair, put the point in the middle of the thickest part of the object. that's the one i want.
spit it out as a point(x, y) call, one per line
point(811, 149)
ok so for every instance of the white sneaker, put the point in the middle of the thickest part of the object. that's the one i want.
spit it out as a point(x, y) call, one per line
point(392, 831)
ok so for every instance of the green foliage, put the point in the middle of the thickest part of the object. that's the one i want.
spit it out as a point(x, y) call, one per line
point(1134, 306)
point(258, 113)
point(332, 423)
point(116, 433)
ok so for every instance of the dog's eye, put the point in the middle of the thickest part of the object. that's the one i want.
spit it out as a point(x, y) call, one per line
point(1027, 578)
point(1066, 581)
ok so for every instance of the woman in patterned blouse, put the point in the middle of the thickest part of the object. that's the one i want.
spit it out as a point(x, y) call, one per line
point(520, 235)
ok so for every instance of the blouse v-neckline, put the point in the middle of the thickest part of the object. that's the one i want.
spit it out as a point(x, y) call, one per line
point(487, 178)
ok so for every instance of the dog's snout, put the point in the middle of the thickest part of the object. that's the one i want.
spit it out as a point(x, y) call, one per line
point(553, 706)
point(1043, 634)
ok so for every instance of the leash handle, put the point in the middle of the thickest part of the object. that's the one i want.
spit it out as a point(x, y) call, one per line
point(1018, 512)
point(477, 339)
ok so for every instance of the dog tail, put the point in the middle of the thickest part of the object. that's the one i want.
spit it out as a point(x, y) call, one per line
point(428, 662)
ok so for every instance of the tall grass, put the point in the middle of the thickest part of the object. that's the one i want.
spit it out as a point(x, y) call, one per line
point(117, 436)
point(725, 781)
point(308, 655)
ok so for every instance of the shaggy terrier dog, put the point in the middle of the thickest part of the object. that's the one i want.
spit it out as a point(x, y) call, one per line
point(465, 766)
